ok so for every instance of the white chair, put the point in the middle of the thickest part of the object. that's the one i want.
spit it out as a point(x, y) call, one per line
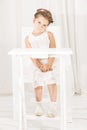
point(21, 75)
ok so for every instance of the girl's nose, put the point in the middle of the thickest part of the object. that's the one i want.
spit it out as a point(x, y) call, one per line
point(41, 26)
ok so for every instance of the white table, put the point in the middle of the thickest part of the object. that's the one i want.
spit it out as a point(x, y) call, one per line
point(17, 53)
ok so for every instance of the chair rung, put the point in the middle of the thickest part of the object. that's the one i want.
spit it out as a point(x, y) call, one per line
point(33, 117)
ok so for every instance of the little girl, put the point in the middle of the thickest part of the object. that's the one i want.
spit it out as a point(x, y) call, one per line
point(44, 68)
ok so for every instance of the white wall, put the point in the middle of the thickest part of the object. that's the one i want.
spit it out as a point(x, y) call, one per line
point(17, 13)
point(8, 40)
point(81, 29)
point(28, 10)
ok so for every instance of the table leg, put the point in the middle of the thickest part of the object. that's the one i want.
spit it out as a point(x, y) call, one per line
point(62, 93)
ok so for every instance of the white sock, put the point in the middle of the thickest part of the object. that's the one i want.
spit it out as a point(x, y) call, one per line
point(39, 104)
point(52, 111)
point(39, 109)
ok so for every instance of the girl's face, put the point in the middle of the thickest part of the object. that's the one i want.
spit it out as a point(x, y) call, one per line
point(40, 24)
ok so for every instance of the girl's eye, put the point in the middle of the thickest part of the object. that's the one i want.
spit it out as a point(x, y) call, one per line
point(39, 22)
point(44, 25)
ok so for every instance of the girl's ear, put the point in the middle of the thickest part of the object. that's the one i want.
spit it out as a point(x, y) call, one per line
point(33, 20)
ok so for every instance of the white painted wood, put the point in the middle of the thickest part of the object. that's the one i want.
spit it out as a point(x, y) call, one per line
point(15, 85)
point(37, 52)
point(21, 96)
point(18, 52)
point(63, 93)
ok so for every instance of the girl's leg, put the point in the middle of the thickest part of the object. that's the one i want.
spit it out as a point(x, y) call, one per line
point(38, 97)
point(52, 92)
point(52, 112)
point(38, 93)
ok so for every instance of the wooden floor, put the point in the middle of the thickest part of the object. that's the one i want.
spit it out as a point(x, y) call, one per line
point(7, 122)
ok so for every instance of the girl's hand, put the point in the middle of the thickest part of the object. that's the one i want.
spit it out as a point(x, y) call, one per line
point(45, 67)
point(48, 67)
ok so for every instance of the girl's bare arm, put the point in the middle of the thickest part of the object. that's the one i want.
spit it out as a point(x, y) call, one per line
point(48, 66)
point(52, 45)
point(35, 60)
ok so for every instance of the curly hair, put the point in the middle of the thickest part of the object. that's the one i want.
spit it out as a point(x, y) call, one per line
point(45, 13)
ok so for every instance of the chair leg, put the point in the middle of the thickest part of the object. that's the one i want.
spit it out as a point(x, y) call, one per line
point(24, 110)
point(22, 118)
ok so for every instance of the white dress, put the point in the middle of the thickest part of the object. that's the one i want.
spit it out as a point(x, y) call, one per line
point(42, 78)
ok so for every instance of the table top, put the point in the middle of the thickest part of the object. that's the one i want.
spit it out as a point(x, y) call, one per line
point(40, 51)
